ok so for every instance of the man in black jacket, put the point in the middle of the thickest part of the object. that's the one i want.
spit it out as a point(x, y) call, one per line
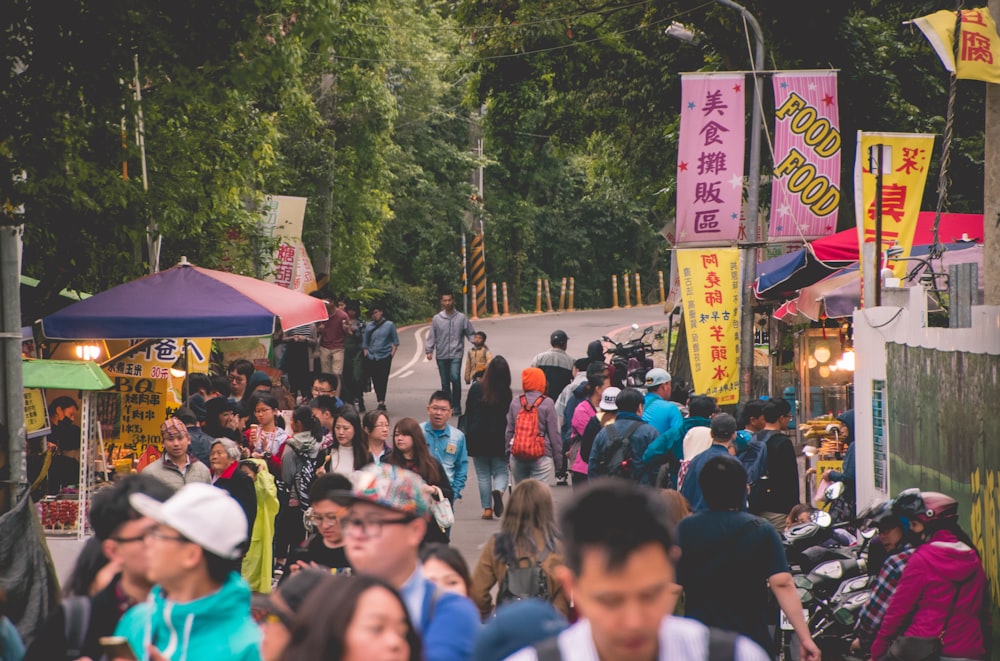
point(782, 466)
point(74, 629)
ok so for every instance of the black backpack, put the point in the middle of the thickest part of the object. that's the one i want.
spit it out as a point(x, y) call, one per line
point(524, 582)
point(721, 646)
point(616, 460)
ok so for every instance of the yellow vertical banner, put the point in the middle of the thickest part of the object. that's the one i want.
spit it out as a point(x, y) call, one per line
point(905, 160)
point(36, 419)
point(710, 289)
point(131, 412)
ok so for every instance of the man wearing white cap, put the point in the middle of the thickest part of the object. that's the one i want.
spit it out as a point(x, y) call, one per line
point(200, 607)
point(664, 416)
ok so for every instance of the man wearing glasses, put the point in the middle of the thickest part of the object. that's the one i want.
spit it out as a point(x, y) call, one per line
point(120, 531)
point(325, 549)
point(199, 607)
point(384, 526)
point(446, 443)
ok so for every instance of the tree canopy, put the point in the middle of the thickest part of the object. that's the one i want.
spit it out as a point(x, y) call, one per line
point(369, 109)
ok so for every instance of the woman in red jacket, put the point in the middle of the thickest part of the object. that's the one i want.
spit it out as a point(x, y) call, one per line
point(941, 593)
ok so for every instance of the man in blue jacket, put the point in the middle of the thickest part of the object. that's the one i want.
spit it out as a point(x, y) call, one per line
point(723, 431)
point(385, 523)
point(446, 443)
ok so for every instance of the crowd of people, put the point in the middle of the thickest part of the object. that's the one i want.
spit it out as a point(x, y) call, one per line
point(326, 536)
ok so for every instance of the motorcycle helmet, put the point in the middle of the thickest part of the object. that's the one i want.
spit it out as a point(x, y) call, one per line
point(883, 516)
point(925, 506)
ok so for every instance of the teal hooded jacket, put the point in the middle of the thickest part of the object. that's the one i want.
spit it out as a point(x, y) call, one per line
point(217, 626)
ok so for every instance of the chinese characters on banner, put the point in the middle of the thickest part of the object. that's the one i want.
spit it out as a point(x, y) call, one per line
point(36, 419)
point(805, 191)
point(283, 218)
point(905, 158)
point(710, 288)
point(155, 361)
point(979, 50)
point(131, 412)
point(710, 159)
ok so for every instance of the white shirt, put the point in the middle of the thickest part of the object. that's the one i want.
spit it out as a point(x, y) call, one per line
point(681, 639)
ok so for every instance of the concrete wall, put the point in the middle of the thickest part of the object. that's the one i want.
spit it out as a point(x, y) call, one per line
point(937, 391)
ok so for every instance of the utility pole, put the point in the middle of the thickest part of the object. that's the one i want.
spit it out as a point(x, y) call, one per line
point(753, 201)
point(12, 380)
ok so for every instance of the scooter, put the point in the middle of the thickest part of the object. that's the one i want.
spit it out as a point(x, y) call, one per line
point(630, 359)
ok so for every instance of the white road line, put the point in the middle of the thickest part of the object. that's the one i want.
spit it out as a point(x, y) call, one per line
point(405, 374)
point(417, 355)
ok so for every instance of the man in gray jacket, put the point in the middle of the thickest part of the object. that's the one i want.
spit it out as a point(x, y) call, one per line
point(176, 467)
point(446, 338)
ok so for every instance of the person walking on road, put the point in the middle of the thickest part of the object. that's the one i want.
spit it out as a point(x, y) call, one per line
point(379, 343)
point(556, 364)
point(541, 464)
point(485, 421)
point(446, 339)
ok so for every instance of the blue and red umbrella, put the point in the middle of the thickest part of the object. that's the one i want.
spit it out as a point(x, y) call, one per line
point(185, 301)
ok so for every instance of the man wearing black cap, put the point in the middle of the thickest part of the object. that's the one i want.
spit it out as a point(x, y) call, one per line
point(556, 364)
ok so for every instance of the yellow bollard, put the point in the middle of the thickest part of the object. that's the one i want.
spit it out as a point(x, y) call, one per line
point(614, 291)
point(663, 293)
point(506, 308)
point(562, 295)
point(548, 295)
point(572, 285)
point(638, 290)
point(475, 308)
point(538, 297)
point(496, 310)
point(628, 290)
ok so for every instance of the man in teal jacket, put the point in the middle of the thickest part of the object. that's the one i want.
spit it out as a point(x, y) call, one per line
point(193, 555)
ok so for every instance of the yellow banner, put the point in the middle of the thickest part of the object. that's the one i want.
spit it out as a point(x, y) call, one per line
point(157, 359)
point(905, 160)
point(979, 47)
point(36, 419)
point(131, 412)
point(710, 288)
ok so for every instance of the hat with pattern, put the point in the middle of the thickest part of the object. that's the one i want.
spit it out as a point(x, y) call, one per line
point(173, 427)
point(390, 487)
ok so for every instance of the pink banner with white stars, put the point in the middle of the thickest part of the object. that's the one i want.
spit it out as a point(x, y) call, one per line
point(805, 190)
point(710, 159)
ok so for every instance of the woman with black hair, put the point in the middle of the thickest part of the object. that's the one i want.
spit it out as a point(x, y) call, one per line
point(410, 451)
point(486, 408)
point(350, 449)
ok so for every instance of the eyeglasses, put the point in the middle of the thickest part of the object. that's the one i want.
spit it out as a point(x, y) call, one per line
point(236, 377)
point(383, 423)
point(440, 409)
point(371, 527)
point(156, 533)
point(129, 540)
point(324, 519)
point(317, 391)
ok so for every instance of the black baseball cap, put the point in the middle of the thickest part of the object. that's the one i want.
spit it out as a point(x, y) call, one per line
point(558, 337)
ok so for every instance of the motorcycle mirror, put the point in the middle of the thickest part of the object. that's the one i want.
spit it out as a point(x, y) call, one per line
point(834, 491)
point(607, 339)
point(869, 533)
point(821, 518)
point(635, 326)
point(647, 329)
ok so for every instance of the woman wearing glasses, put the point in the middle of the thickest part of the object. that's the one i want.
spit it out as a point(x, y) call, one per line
point(376, 424)
point(325, 548)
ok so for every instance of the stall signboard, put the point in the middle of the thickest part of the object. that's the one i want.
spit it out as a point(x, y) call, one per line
point(155, 361)
point(36, 414)
point(283, 218)
point(131, 412)
point(710, 279)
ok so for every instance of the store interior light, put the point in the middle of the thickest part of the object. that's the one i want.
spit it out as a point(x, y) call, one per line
point(847, 362)
point(821, 353)
point(88, 351)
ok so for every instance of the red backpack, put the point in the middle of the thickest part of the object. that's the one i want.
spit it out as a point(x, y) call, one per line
point(528, 444)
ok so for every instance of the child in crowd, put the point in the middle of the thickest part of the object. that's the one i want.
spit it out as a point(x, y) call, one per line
point(479, 358)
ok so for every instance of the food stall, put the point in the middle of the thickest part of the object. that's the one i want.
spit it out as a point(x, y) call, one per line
point(64, 515)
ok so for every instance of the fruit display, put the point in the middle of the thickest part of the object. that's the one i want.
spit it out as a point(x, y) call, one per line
point(59, 513)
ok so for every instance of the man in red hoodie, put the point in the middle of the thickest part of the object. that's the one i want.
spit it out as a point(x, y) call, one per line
point(942, 591)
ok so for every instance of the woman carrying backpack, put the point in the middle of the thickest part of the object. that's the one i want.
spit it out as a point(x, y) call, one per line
point(533, 438)
point(523, 556)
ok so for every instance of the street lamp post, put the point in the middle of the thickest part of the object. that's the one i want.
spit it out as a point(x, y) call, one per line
point(753, 199)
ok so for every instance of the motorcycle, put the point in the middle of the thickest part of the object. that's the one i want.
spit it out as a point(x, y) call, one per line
point(631, 359)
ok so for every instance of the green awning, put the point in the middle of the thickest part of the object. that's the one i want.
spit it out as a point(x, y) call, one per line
point(65, 293)
point(64, 375)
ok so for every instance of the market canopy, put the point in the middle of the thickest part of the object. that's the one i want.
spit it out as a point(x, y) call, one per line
point(185, 301)
point(781, 277)
point(64, 375)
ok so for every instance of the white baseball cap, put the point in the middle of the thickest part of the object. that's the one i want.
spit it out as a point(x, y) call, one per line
point(205, 515)
point(656, 377)
point(608, 398)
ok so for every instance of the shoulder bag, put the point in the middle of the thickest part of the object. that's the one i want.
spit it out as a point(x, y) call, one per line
point(919, 648)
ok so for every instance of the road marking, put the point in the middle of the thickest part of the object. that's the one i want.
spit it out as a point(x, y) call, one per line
point(405, 374)
point(417, 355)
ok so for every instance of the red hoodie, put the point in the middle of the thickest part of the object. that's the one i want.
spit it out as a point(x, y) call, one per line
point(921, 603)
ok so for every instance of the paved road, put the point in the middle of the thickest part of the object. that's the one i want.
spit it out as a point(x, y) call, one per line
point(518, 339)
